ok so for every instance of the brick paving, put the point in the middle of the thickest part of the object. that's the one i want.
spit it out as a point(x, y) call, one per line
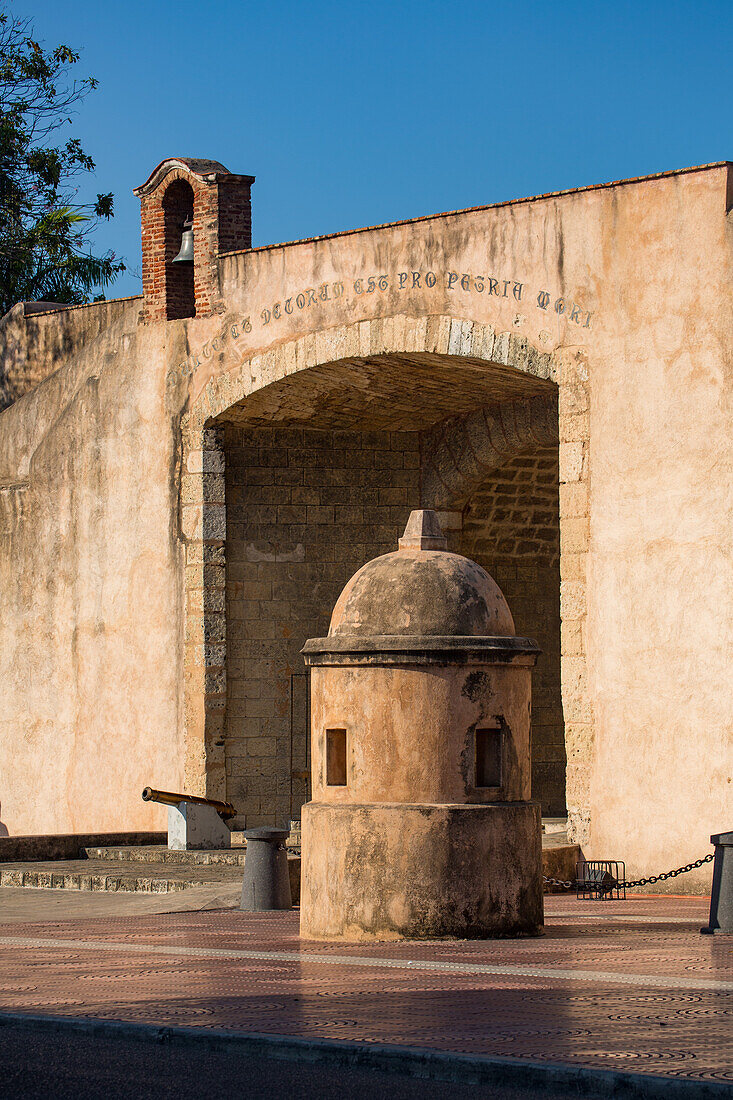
point(618, 985)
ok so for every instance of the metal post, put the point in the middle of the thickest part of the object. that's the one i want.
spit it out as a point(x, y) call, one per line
point(266, 882)
point(721, 897)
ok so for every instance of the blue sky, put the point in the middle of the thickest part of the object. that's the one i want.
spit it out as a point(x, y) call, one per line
point(356, 113)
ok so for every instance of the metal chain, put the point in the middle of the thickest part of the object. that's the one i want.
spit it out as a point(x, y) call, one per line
point(568, 885)
point(669, 874)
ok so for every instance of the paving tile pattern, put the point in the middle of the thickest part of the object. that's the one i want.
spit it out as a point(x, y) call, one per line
point(628, 985)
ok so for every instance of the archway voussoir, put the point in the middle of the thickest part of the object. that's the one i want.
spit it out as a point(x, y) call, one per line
point(482, 342)
point(459, 338)
point(306, 351)
point(456, 440)
point(538, 363)
point(486, 454)
point(399, 330)
point(364, 329)
point(543, 423)
point(442, 487)
point(517, 355)
point(287, 362)
point(496, 433)
point(501, 350)
point(328, 345)
point(507, 413)
point(251, 374)
point(437, 335)
point(273, 365)
point(225, 392)
point(350, 341)
point(522, 411)
point(416, 334)
point(375, 333)
point(387, 341)
point(300, 353)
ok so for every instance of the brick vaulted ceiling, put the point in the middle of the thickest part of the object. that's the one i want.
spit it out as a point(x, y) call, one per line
point(408, 392)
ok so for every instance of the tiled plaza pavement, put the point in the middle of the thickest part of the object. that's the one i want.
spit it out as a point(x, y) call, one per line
point(628, 985)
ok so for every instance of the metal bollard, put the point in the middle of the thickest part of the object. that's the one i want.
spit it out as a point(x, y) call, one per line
point(721, 897)
point(266, 882)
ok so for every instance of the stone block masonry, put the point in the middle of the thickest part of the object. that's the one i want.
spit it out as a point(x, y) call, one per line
point(305, 509)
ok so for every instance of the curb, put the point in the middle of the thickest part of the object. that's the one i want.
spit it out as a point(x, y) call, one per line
point(96, 884)
point(543, 1077)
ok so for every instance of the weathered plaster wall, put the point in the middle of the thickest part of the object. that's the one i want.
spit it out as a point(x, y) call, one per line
point(660, 582)
point(34, 345)
point(90, 653)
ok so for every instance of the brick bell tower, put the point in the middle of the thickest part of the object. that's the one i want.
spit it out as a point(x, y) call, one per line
point(216, 205)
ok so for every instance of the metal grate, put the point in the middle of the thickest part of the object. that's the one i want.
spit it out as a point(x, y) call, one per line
point(600, 878)
point(300, 767)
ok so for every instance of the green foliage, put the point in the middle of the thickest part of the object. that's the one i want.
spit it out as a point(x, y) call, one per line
point(45, 251)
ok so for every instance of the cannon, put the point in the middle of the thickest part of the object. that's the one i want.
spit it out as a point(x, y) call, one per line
point(194, 823)
point(225, 810)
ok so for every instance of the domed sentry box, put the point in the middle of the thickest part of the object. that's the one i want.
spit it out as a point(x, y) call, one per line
point(421, 823)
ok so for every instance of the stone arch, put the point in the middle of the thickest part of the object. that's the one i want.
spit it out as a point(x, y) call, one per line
point(399, 335)
point(424, 343)
point(462, 451)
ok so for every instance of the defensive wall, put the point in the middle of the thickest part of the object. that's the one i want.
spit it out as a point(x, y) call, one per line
point(181, 500)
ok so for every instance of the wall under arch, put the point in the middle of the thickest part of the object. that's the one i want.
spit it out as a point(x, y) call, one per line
point(511, 527)
point(306, 508)
point(496, 471)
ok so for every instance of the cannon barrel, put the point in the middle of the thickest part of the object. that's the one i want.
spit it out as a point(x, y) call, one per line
point(225, 810)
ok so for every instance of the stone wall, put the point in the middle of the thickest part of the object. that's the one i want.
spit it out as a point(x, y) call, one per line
point(91, 577)
point(632, 328)
point(35, 344)
point(511, 527)
point(305, 510)
point(574, 502)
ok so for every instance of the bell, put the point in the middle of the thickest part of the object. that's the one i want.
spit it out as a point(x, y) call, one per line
point(185, 256)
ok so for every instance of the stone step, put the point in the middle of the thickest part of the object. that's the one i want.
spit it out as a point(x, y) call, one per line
point(159, 853)
point(114, 875)
point(130, 875)
point(558, 861)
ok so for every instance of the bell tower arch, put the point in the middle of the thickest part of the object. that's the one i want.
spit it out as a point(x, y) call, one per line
point(180, 292)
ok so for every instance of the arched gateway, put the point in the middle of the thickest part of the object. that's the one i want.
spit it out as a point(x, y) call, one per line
point(190, 479)
point(317, 464)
